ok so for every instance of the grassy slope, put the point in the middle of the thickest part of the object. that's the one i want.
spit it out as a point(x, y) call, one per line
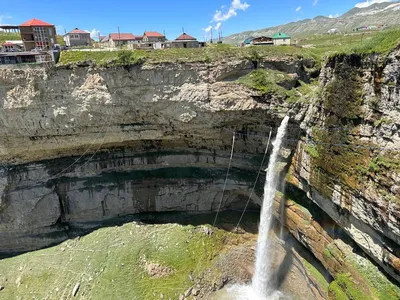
point(108, 264)
point(267, 81)
point(208, 54)
point(9, 37)
point(315, 47)
point(382, 42)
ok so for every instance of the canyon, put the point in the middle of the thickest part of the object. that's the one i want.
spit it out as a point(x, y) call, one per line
point(82, 145)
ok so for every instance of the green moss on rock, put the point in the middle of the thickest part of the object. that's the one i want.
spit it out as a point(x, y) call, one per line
point(266, 81)
point(336, 293)
point(316, 275)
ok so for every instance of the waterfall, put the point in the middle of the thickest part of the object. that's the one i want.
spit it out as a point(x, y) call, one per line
point(261, 278)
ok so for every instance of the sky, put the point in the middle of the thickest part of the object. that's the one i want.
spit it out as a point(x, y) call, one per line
point(195, 17)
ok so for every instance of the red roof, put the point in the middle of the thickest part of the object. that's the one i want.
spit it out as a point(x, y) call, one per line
point(8, 44)
point(122, 36)
point(153, 34)
point(76, 30)
point(185, 37)
point(139, 37)
point(36, 22)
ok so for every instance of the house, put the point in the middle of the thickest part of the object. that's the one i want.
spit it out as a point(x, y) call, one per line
point(247, 42)
point(120, 39)
point(77, 37)
point(281, 39)
point(262, 41)
point(185, 41)
point(137, 43)
point(333, 31)
point(152, 37)
point(37, 34)
point(12, 46)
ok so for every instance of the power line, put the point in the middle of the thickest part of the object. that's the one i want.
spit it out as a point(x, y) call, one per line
point(255, 182)
point(226, 179)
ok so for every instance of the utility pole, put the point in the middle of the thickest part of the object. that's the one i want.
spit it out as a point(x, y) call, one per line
point(211, 36)
point(119, 38)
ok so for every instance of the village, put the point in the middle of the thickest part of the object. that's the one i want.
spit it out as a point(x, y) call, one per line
point(39, 42)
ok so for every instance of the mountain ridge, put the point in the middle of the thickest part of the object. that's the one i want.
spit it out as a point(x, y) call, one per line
point(385, 14)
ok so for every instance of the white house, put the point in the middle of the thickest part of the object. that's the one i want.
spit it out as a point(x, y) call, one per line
point(77, 37)
point(281, 39)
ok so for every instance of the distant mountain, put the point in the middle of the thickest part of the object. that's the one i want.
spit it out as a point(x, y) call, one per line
point(386, 13)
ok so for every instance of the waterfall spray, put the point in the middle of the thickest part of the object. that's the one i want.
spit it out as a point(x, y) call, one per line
point(261, 278)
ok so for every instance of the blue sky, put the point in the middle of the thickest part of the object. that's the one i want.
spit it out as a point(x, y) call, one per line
point(195, 16)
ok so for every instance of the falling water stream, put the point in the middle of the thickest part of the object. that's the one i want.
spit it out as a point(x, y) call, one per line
point(261, 278)
point(261, 284)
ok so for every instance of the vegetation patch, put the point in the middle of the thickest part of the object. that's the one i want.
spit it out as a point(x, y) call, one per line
point(383, 121)
point(266, 81)
point(316, 275)
point(388, 162)
point(9, 36)
point(383, 42)
point(338, 157)
point(336, 293)
point(350, 287)
point(103, 58)
point(128, 262)
point(214, 53)
point(380, 286)
point(343, 96)
point(311, 150)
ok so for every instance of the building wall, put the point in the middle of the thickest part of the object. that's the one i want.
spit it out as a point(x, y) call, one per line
point(10, 48)
point(38, 37)
point(115, 44)
point(185, 44)
point(278, 42)
point(153, 39)
point(73, 39)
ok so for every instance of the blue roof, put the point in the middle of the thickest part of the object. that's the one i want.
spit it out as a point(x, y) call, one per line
point(248, 40)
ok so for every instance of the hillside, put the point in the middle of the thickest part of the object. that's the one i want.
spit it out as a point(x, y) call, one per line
point(377, 14)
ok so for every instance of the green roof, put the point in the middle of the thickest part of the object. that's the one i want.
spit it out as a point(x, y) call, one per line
point(280, 35)
point(248, 40)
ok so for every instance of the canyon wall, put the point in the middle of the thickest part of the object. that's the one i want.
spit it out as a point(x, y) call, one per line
point(80, 145)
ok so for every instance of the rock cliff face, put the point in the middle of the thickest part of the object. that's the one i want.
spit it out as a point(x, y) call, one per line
point(348, 163)
point(82, 145)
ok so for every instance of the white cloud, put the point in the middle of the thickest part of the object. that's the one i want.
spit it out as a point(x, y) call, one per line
point(298, 8)
point(315, 2)
point(208, 29)
point(218, 26)
point(60, 29)
point(370, 2)
point(333, 16)
point(236, 5)
point(94, 34)
point(3, 19)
